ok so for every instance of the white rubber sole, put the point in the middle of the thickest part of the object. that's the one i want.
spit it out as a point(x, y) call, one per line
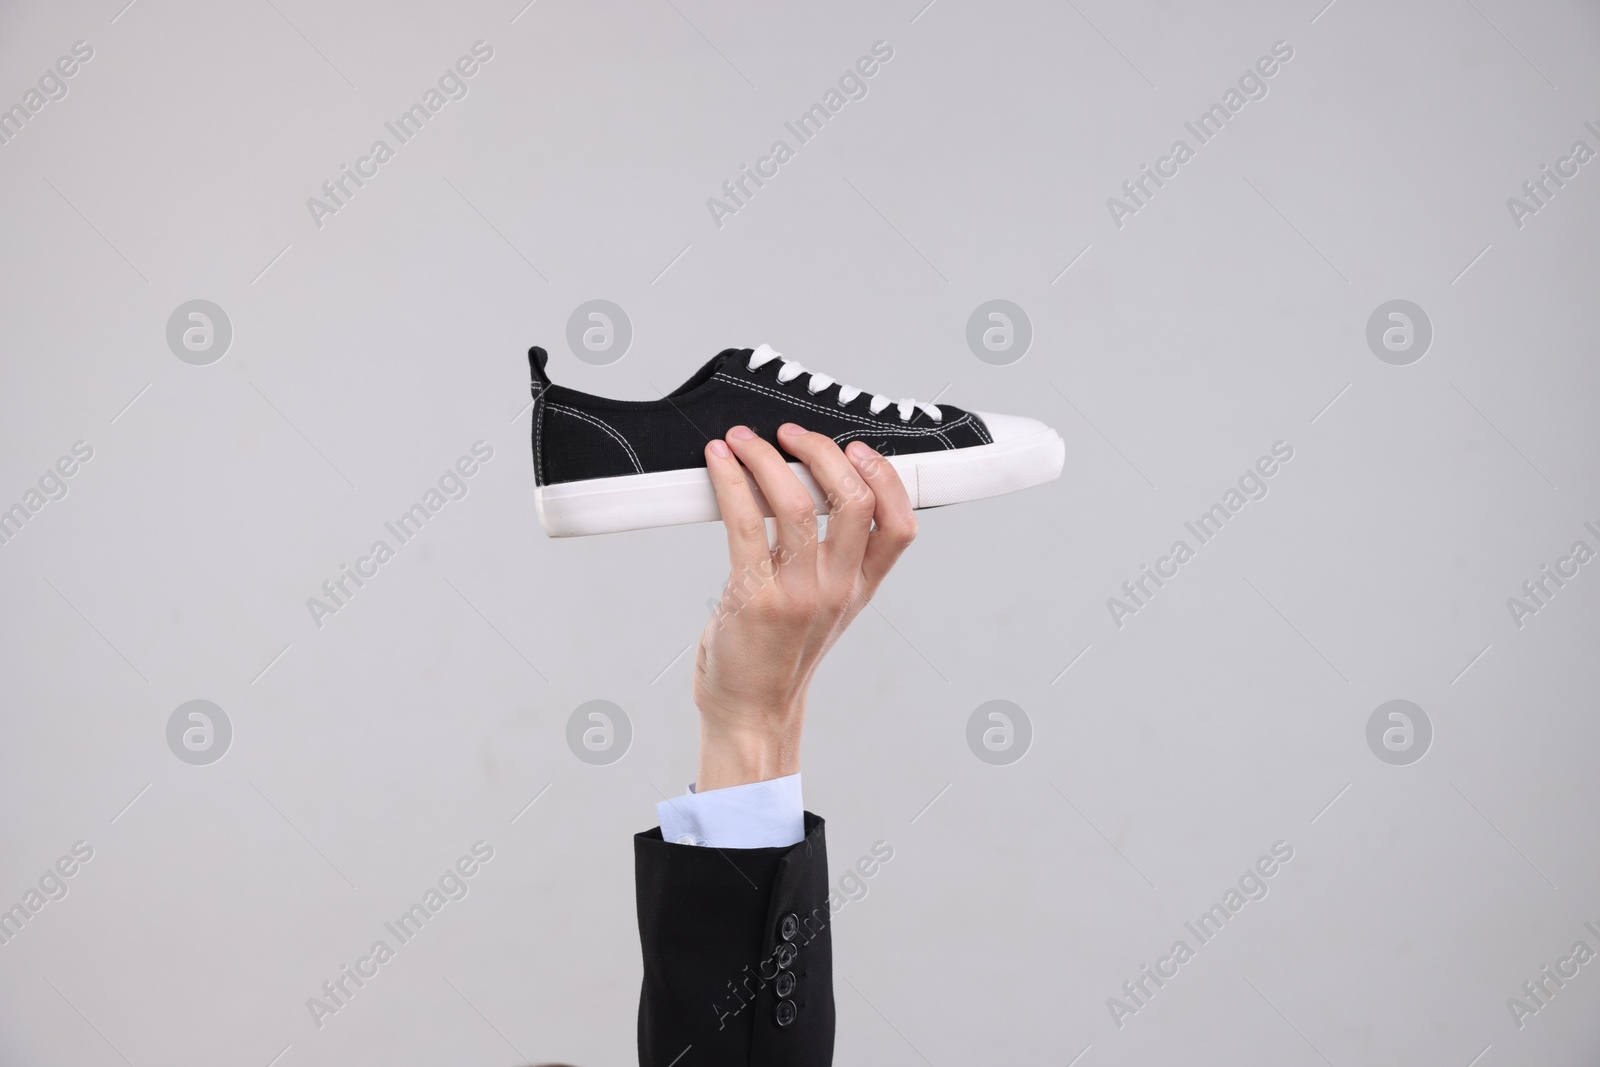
point(671, 498)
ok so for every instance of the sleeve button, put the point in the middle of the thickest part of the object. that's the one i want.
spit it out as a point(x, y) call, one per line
point(785, 1013)
point(788, 927)
point(785, 983)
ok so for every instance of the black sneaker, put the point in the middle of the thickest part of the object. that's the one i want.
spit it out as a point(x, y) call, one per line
point(605, 465)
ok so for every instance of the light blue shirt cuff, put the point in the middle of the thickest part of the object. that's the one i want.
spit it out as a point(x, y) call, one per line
point(768, 814)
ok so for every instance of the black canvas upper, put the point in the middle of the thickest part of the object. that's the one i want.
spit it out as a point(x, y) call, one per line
point(577, 436)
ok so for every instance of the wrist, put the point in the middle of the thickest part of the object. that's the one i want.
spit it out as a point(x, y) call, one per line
point(738, 755)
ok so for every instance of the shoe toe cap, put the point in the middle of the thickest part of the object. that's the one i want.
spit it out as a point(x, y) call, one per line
point(1010, 427)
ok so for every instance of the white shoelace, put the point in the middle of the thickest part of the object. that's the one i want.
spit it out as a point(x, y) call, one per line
point(790, 370)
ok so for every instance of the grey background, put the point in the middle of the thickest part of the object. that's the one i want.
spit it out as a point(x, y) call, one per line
point(368, 355)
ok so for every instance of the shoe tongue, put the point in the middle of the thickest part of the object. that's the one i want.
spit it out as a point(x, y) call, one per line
point(712, 366)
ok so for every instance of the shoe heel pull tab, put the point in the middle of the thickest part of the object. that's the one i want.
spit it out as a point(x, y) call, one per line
point(537, 358)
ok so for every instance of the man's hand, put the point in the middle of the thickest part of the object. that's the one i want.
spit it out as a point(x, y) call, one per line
point(784, 606)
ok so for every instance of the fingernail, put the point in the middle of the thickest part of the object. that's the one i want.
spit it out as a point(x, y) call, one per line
point(741, 433)
point(789, 429)
point(720, 450)
point(860, 450)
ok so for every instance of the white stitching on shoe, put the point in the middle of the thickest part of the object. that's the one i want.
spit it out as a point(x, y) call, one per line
point(928, 431)
point(909, 431)
point(539, 404)
point(608, 428)
point(850, 415)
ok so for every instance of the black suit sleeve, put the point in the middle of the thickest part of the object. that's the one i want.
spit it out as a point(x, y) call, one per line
point(738, 953)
